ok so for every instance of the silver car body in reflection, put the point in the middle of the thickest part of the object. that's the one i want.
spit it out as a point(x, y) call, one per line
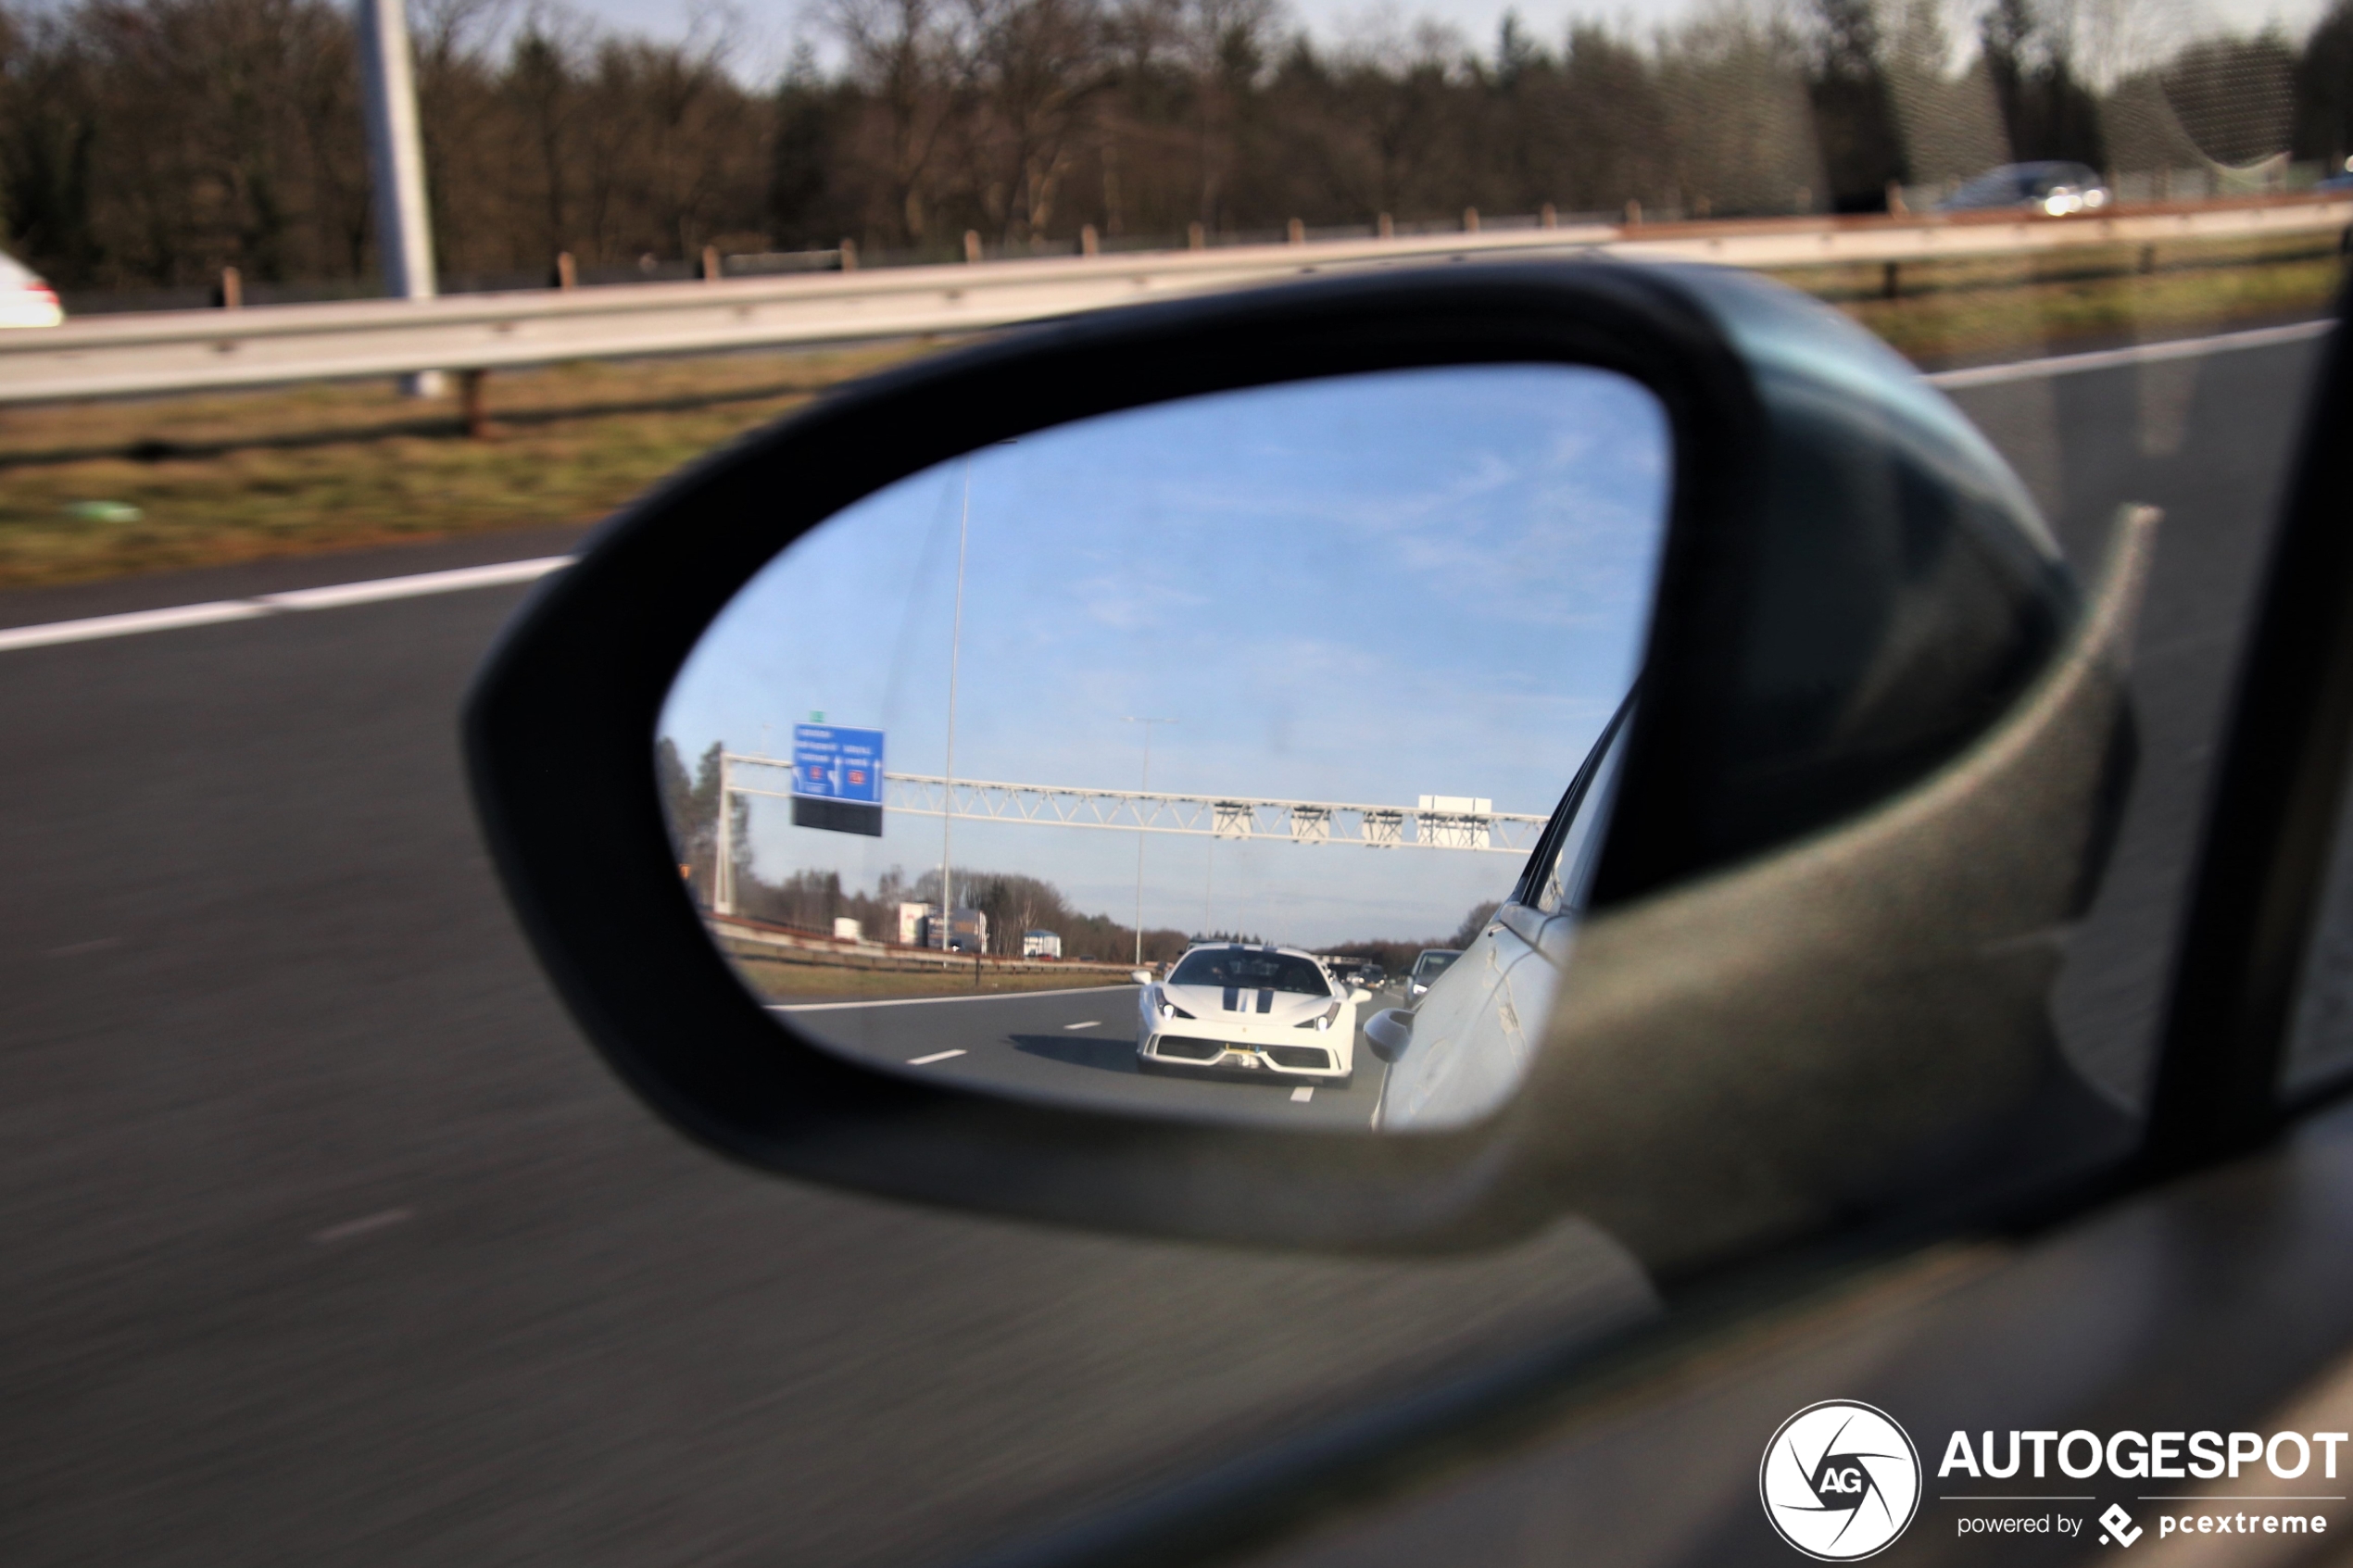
point(1231, 1009)
point(1481, 1018)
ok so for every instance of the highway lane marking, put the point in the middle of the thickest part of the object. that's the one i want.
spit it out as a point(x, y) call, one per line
point(2139, 354)
point(928, 1061)
point(1090, 1023)
point(1302, 1094)
point(362, 1225)
point(924, 1002)
point(334, 597)
point(342, 594)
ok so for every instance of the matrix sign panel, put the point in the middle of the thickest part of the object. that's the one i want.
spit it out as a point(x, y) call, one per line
point(837, 779)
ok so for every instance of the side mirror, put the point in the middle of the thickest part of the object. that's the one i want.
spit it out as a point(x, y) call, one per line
point(1389, 1032)
point(1792, 642)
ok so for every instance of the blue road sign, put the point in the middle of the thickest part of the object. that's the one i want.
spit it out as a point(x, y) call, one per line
point(833, 763)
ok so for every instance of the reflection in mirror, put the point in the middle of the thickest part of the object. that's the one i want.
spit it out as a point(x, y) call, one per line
point(1242, 758)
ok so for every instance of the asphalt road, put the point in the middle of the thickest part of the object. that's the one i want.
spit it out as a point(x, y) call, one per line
point(328, 1241)
point(1077, 1049)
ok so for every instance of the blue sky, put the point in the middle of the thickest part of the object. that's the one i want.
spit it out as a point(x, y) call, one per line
point(1358, 590)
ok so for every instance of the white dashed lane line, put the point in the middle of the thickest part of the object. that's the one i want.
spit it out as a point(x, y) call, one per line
point(1302, 1094)
point(928, 1061)
point(1090, 1023)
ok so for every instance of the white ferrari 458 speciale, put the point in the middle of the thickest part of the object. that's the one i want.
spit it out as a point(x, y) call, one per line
point(1236, 1011)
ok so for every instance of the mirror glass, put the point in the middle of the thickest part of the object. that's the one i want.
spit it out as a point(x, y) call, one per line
point(1240, 757)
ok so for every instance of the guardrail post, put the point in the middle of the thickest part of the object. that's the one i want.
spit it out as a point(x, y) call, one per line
point(1090, 244)
point(1297, 232)
point(1385, 226)
point(473, 407)
point(972, 245)
point(1891, 280)
point(1634, 212)
point(710, 264)
point(230, 293)
point(2148, 258)
point(1470, 220)
point(1546, 218)
point(567, 275)
point(1195, 237)
point(848, 256)
point(1895, 205)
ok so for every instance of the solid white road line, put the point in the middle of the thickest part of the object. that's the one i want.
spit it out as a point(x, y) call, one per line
point(336, 596)
point(1089, 1023)
point(129, 625)
point(926, 1001)
point(497, 575)
point(2139, 354)
point(928, 1061)
point(1302, 1094)
point(340, 595)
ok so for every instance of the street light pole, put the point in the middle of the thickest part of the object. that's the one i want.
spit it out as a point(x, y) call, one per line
point(1146, 786)
point(396, 161)
point(947, 780)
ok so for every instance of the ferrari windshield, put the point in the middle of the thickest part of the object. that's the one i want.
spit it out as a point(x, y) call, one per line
point(1251, 968)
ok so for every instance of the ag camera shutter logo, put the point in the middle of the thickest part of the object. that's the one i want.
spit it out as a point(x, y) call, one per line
point(1840, 1481)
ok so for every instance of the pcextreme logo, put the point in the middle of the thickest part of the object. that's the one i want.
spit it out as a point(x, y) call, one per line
point(1840, 1481)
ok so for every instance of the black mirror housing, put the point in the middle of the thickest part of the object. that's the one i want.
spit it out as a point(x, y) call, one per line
point(1857, 607)
point(1389, 1032)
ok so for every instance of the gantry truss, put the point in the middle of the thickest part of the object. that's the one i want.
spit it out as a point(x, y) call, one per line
point(1198, 816)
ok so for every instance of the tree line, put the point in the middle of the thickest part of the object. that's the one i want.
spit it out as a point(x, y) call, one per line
point(151, 143)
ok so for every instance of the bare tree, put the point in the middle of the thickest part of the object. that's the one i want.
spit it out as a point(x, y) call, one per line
point(902, 57)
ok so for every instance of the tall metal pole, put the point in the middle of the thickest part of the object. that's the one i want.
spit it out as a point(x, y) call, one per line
point(948, 780)
point(1209, 875)
point(396, 162)
point(1145, 786)
point(723, 865)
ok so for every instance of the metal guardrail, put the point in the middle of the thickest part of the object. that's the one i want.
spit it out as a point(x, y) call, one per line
point(194, 351)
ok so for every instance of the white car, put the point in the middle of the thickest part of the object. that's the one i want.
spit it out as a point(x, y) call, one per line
point(1236, 1010)
point(25, 299)
point(1460, 1047)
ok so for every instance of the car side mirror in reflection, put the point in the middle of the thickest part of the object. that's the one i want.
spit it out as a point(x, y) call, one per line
point(1389, 1032)
point(1055, 735)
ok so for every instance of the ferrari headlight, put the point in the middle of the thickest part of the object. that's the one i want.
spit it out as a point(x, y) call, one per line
point(1321, 1021)
point(1170, 1010)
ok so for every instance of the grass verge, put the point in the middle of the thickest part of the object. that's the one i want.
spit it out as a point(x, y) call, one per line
point(779, 982)
point(99, 490)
